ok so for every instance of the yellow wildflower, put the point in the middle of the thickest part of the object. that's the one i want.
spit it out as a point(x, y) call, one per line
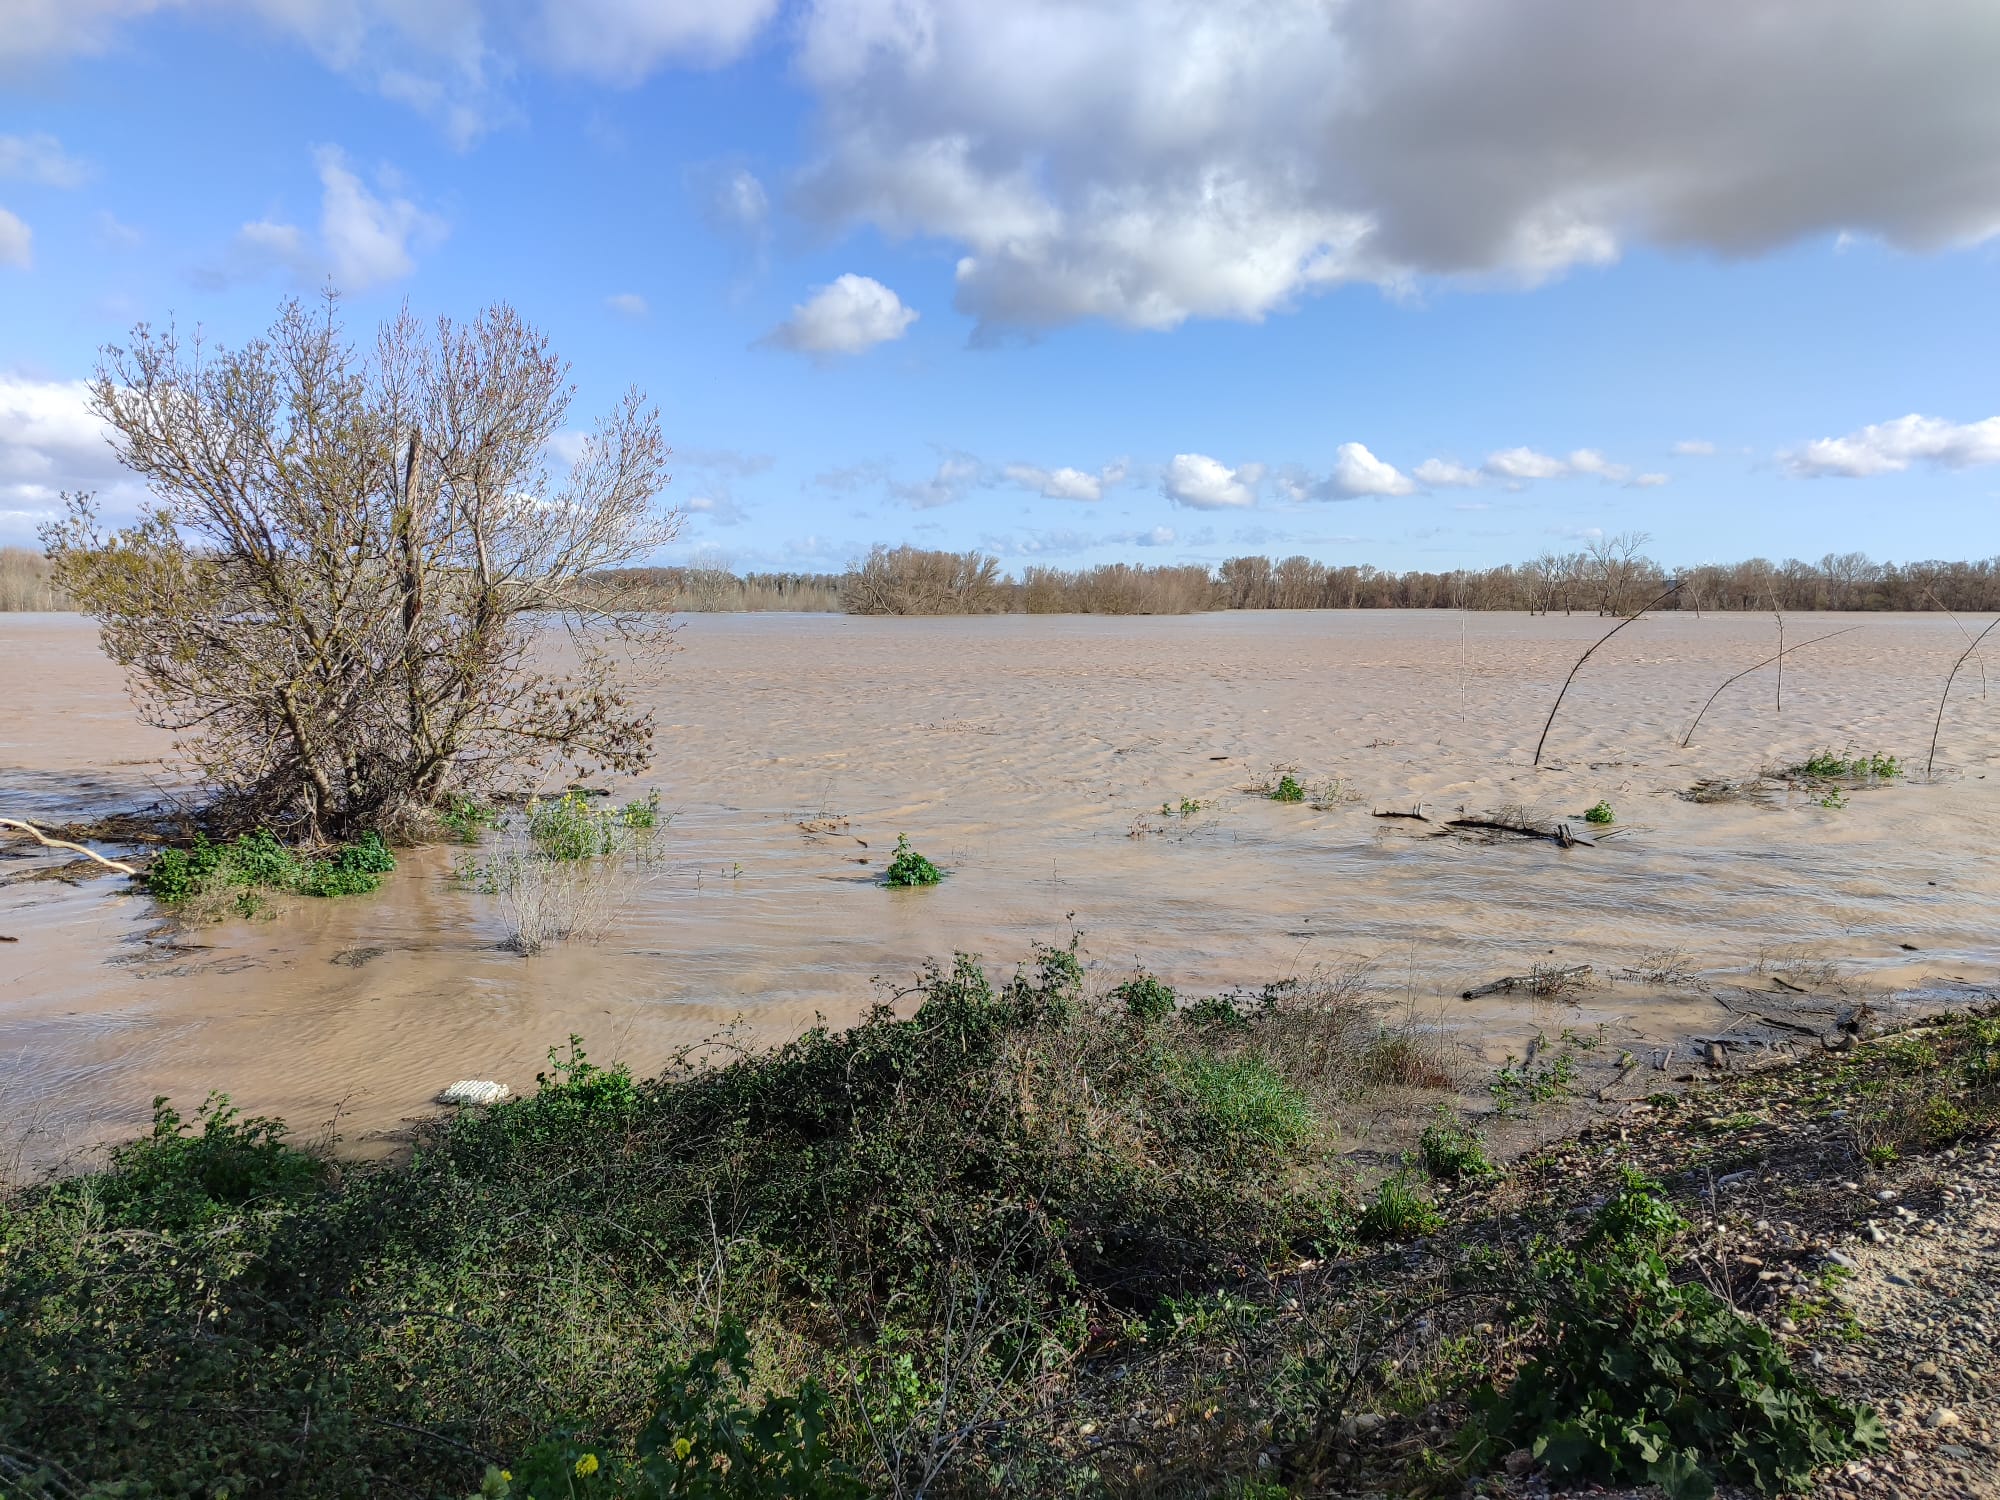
point(586, 1465)
point(682, 1448)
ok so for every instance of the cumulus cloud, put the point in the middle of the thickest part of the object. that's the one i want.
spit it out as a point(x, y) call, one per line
point(365, 238)
point(40, 158)
point(17, 242)
point(628, 305)
point(1357, 472)
point(1202, 483)
point(51, 442)
point(1147, 161)
point(1444, 473)
point(850, 314)
point(1891, 447)
point(1065, 483)
point(1695, 448)
point(1590, 461)
point(1524, 463)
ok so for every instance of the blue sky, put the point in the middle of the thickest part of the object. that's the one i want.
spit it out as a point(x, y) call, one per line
point(1421, 285)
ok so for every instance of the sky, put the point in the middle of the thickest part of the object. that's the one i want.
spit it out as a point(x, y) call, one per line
point(1417, 283)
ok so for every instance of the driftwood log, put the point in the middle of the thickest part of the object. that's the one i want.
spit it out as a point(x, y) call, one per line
point(1561, 834)
point(1511, 982)
point(48, 843)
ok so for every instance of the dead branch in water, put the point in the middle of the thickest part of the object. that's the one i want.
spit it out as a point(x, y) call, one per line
point(1545, 980)
point(1779, 659)
point(1416, 812)
point(1560, 834)
point(48, 843)
point(1945, 697)
point(1549, 723)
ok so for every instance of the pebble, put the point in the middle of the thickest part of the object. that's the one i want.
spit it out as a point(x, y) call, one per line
point(1944, 1416)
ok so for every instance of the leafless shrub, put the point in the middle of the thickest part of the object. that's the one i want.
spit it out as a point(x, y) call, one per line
point(1753, 789)
point(1799, 968)
point(337, 594)
point(1662, 966)
point(913, 581)
point(1558, 981)
point(715, 590)
point(1118, 589)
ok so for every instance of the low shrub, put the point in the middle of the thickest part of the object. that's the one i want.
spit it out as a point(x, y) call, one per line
point(570, 828)
point(1826, 765)
point(1288, 789)
point(908, 868)
point(257, 861)
point(702, 1443)
point(1638, 1377)
point(1145, 999)
point(1600, 813)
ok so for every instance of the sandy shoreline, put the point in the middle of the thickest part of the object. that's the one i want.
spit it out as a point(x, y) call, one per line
point(1019, 751)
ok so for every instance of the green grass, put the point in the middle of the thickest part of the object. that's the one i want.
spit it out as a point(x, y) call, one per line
point(1452, 1151)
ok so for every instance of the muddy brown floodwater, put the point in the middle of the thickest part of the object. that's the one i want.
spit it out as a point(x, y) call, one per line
point(1031, 756)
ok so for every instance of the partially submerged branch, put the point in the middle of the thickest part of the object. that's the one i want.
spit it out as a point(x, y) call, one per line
point(1672, 589)
point(48, 843)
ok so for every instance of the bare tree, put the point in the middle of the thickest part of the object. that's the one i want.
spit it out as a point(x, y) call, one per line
point(344, 592)
point(913, 581)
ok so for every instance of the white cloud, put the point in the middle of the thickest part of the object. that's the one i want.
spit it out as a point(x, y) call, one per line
point(51, 442)
point(369, 239)
point(365, 238)
point(40, 158)
point(957, 474)
point(1443, 473)
point(1590, 461)
point(628, 305)
point(119, 236)
point(1159, 536)
point(17, 242)
point(1648, 481)
point(1695, 448)
point(1146, 161)
point(1524, 463)
point(1065, 483)
point(1357, 472)
point(1891, 447)
point(1202, 483)
point(851, 314)
point(622, 41)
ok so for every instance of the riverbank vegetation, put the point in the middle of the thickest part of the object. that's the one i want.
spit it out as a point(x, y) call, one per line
point(999, 1238)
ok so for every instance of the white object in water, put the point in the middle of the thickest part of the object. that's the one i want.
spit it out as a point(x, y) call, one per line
point(473, 1091)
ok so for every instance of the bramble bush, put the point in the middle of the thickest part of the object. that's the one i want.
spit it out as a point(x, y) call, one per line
point(1637, 1377)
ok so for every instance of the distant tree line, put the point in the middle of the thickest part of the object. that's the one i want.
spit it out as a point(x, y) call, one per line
point(1612, 575)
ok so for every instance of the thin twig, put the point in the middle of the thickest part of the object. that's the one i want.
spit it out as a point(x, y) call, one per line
point(1549, 723)
point(1945, 696)
point(1779, 658)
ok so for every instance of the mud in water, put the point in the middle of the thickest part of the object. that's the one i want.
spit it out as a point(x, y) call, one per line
point(1031, 756)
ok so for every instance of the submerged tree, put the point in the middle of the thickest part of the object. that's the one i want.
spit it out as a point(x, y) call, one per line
point(358, 591)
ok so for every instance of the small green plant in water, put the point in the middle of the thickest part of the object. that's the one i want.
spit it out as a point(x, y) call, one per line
point(1833, 801)
point(1600, 814)
point(641, 814)
point(1288, 789)
point(907, 867)
point(256, 862)
point(468, 819)
point(1825, 765)
point(570, 828)
point(1189, 806)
